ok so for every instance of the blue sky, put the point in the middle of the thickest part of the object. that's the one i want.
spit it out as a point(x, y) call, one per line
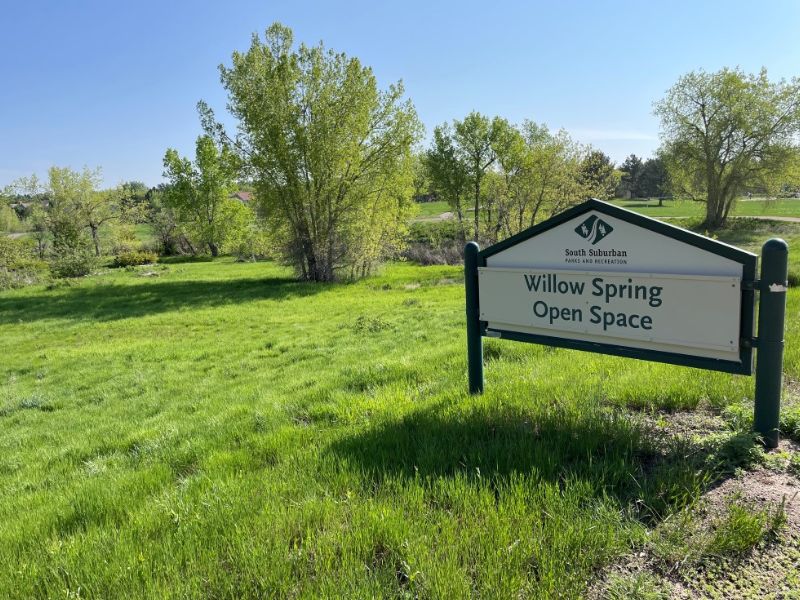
point(113, 84)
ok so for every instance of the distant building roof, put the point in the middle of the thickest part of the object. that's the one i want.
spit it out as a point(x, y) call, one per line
point(245, 197)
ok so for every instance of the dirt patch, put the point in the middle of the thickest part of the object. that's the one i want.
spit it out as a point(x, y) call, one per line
point(770, 568)
point(663, 425)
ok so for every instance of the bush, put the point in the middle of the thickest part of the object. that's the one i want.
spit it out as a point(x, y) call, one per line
point(134, 258)
point(435, 233)
point(19, 265)
point(426, 255)
point(75, 264)
point(435, 243)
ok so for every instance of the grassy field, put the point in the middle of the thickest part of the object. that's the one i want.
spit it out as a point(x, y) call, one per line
point(671, 208)
point(688, 208)
point(220, 430)
point(432, 209)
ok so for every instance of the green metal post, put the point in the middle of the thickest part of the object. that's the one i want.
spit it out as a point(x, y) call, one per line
point(769, 366)
point(474, 340)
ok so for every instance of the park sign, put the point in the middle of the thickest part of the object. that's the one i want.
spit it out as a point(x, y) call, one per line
point(601, 278)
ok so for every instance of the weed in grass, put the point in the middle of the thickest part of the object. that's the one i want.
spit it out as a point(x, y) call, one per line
point(366, 324)
point(742, 527)
point(638, 586)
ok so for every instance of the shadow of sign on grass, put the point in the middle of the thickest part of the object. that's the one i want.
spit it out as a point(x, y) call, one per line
point(612, 453)
point(110, 301)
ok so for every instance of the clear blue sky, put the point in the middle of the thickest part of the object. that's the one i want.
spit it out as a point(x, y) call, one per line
point(113, 84)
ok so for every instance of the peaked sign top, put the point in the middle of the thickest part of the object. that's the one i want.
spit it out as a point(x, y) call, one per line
point(598, 235)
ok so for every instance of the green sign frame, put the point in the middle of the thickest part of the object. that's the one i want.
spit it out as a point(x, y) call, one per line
point(771, 319)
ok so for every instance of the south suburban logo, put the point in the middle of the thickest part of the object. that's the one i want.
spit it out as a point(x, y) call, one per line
point(594, 229)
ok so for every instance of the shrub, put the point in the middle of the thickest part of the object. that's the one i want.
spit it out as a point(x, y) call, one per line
point(435, 243)
point(134, 258)
point(435, 233)
point(73, 264)
point(19, 265)
point(425, 255)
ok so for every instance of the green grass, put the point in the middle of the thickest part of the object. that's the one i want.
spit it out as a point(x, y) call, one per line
point(689, 208)
point(431, 209)
point(221, 430)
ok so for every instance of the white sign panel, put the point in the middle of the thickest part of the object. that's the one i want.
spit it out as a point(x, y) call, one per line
point(606, 279)
point(684, 314)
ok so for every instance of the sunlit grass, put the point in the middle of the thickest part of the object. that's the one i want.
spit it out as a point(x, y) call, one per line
point(783, 207)
point(221, 430)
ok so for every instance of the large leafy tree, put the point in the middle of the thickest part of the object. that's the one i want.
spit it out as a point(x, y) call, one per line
point(598, 175)
point(726, 131)
point(199, 191)
point(328, 151)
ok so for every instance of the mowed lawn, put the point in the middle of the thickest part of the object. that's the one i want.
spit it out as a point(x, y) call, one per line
point(220, 430)
point(784, 207)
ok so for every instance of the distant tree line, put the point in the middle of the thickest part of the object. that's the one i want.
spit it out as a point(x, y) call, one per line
point(334, 165)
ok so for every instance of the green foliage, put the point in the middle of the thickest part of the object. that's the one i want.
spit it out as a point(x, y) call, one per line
point(435, 243)
point(330, 153)
point(134, 258)
point(73, 262)
point(9, 220)
point(247, 238)
point(434, 233)
point(18, 263)
point(653, 181)
point(729, 131)
point(630, 172)
point(598, 176)
point(68, 214)
point(198, 193)
point(514, 176)
point(161, 217)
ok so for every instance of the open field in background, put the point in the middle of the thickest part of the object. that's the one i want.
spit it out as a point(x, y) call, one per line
point(688, 208)
point(431, 209)
point(671, 208)
point(220, 430)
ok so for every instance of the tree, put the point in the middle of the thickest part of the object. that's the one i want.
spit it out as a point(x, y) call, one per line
point(597, 174)
point(631, 170)
point(728, 130)
point(653, 179)
point(541, 175)
point(329, 153)
point(447, 173)
point(132, 196)
point(423, 189)
point(474, 141)
point(69, 193)
point(198, 192)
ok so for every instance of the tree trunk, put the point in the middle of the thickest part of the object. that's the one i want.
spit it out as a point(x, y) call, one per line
point(95, 239)
point(214, 249)
point(715, 211)
point(477, 205)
